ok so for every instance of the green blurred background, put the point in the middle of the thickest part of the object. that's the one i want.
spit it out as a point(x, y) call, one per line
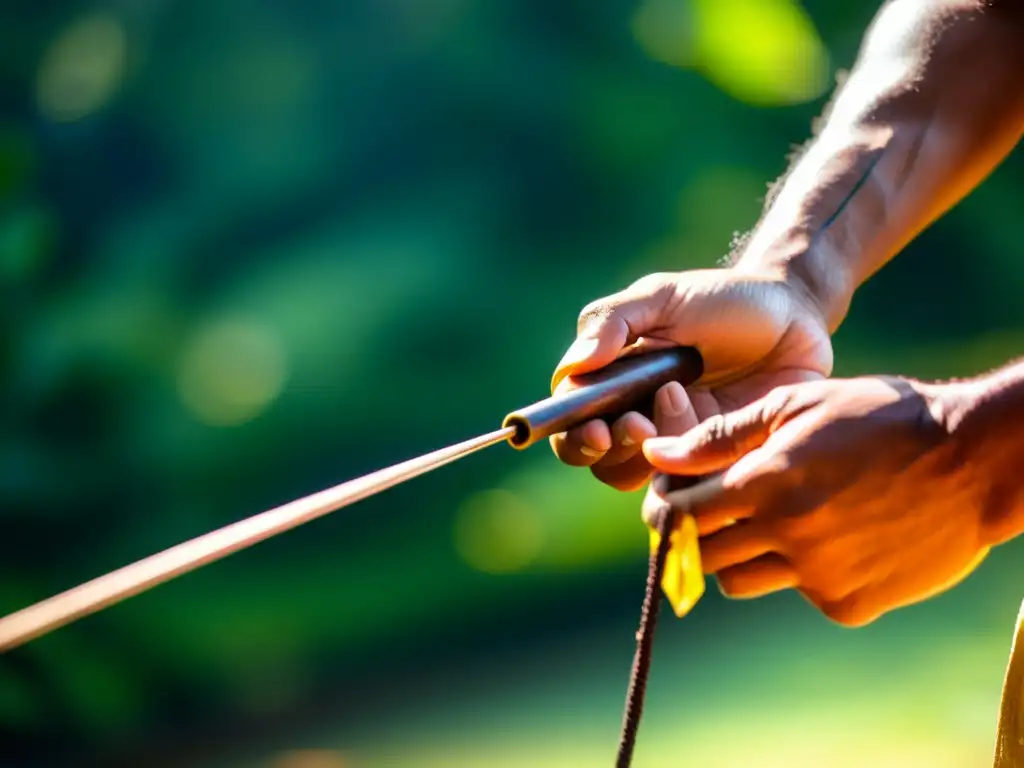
point(252, 248)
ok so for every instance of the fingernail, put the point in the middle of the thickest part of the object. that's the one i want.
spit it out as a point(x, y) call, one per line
point(677, 400)
point(627, 441)
point(593, 453)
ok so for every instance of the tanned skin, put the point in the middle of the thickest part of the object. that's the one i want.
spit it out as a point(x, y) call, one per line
point(864, 494)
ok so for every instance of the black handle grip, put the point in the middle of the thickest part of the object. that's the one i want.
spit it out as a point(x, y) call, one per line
point(606, 393)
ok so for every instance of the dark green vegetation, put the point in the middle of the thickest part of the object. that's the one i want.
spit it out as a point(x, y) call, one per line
point(251, 249)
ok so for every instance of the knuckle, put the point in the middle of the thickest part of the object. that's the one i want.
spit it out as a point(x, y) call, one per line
point(798, 530)
point(715, 428)
point(777, 400)
point(653, 282)
point(597, 311)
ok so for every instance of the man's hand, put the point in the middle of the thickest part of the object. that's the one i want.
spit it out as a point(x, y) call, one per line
point(755, 331)
point(859, 493)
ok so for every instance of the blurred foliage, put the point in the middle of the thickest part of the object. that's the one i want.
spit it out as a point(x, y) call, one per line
point(251, 249)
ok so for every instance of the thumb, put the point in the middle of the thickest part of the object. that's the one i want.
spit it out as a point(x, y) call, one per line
point(605, 328)
point(715, 444)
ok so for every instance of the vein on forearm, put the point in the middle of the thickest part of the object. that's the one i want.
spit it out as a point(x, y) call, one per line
point(908, 133)
point(816, 237)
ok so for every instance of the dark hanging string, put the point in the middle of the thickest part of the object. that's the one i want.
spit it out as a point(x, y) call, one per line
point(644, 643)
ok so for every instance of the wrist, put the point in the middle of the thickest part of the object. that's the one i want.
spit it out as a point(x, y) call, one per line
point(982, 417)
point(815, 275)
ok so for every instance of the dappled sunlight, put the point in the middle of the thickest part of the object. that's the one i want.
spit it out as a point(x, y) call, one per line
point(762, 52)
point(82, 69)
point(667, 31)
point(586, 524)
point(231, 372)
point(726, 708)
point(497, 532)
point(252, 250)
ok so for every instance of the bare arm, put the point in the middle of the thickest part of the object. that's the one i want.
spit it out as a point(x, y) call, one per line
point(934, 102)
point(986, 418)
point(865, 494)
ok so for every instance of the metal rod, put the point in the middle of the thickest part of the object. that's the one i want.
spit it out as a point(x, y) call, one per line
point(623, 385)
point(29, 623)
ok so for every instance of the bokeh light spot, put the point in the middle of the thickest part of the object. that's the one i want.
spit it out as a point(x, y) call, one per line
point(762, 52)
point(497, 532)
point(82, 69)
point(231, 372)
point(665, 30)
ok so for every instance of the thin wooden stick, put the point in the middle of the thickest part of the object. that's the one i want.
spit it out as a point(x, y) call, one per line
point(31, 622)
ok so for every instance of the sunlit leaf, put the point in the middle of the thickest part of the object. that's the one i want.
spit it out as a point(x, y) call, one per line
point(762, 52)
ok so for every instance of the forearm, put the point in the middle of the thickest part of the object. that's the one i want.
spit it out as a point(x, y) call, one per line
point(933, 104)
point(986, 419)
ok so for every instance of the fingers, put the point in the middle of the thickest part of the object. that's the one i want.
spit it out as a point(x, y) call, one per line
point(673, 411)
point(598, 444)
point(595, 441)
point(583, 446)
point(624, 466)
point(697, 500)
point(605, 327)
point(629, 432)
point(759, 577)
point(630, 475)
point(673, 415)
point(655, 502)
point(718, 442)
point(736, 544)
point(714, 518)
point(745, 556)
